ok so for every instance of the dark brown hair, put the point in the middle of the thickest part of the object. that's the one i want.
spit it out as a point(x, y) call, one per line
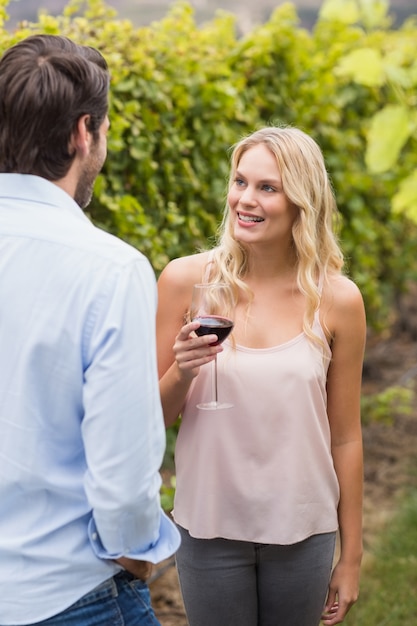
point(47, 83)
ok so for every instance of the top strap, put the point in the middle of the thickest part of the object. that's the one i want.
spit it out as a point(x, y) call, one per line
point(320, 288)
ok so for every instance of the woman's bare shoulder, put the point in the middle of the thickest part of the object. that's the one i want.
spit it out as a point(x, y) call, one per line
point(342, 303)
point(343, 291)
point(184, 271)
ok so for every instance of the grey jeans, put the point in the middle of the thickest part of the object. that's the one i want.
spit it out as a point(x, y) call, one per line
point(239, 583)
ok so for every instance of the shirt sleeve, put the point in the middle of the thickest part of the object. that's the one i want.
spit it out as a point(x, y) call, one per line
point(122, 428)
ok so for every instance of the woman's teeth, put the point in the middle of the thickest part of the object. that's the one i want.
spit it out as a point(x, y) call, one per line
point(250, 218)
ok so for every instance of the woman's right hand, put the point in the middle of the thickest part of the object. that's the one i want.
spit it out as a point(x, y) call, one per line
point(191, 351)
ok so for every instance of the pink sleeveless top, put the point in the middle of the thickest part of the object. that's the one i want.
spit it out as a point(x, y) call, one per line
point(261, 471)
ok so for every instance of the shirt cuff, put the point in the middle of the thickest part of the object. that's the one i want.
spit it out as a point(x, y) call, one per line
point(166, 545)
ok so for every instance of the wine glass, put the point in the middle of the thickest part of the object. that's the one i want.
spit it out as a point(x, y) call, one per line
point(212, 305)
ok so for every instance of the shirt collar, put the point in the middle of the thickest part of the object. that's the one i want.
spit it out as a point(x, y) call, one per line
point(36, 189)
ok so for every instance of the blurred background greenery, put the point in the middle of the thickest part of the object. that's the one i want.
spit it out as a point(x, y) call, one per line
point(248, 12)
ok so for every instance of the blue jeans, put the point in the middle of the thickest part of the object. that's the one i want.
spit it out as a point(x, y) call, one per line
point(120, 601)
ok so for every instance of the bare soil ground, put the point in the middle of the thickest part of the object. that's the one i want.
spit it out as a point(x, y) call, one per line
point(390, 453)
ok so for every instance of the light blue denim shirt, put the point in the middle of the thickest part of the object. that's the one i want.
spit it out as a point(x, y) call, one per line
point(81, 428)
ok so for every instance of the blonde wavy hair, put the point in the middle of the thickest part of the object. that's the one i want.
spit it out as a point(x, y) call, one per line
point(306, 184)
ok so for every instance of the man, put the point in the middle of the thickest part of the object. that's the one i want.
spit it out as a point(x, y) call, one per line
point(81, 428)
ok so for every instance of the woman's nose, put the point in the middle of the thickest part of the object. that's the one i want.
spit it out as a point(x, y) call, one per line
point(248, 197)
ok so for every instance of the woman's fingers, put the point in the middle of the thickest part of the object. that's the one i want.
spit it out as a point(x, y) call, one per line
point(192, 351)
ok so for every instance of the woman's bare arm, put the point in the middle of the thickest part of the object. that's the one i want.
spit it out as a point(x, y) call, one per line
point(346, 320)
point(180, 351)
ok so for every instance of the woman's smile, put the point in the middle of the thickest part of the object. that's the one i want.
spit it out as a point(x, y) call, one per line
point(248, 219)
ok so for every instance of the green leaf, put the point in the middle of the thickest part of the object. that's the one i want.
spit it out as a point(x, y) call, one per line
point(345, 11)
point(405, 200)
point(364, 66)
point(389, 130)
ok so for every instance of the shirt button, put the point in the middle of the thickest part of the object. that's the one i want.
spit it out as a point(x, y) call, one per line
point(94, 536)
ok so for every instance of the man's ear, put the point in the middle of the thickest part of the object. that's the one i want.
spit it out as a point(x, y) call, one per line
point(81, 137)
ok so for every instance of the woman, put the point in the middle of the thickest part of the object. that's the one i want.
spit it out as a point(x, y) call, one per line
point(263, 487)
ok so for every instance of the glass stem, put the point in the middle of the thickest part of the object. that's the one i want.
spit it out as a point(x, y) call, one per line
point(215, 380)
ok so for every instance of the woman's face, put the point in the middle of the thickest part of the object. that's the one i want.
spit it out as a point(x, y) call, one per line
point(259, 209)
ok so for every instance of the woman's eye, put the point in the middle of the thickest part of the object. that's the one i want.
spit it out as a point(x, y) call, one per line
point(239, 182)
point(268, 188)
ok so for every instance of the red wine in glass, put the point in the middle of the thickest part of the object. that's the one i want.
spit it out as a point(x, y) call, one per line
point(212, 305)
point(214, 325)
